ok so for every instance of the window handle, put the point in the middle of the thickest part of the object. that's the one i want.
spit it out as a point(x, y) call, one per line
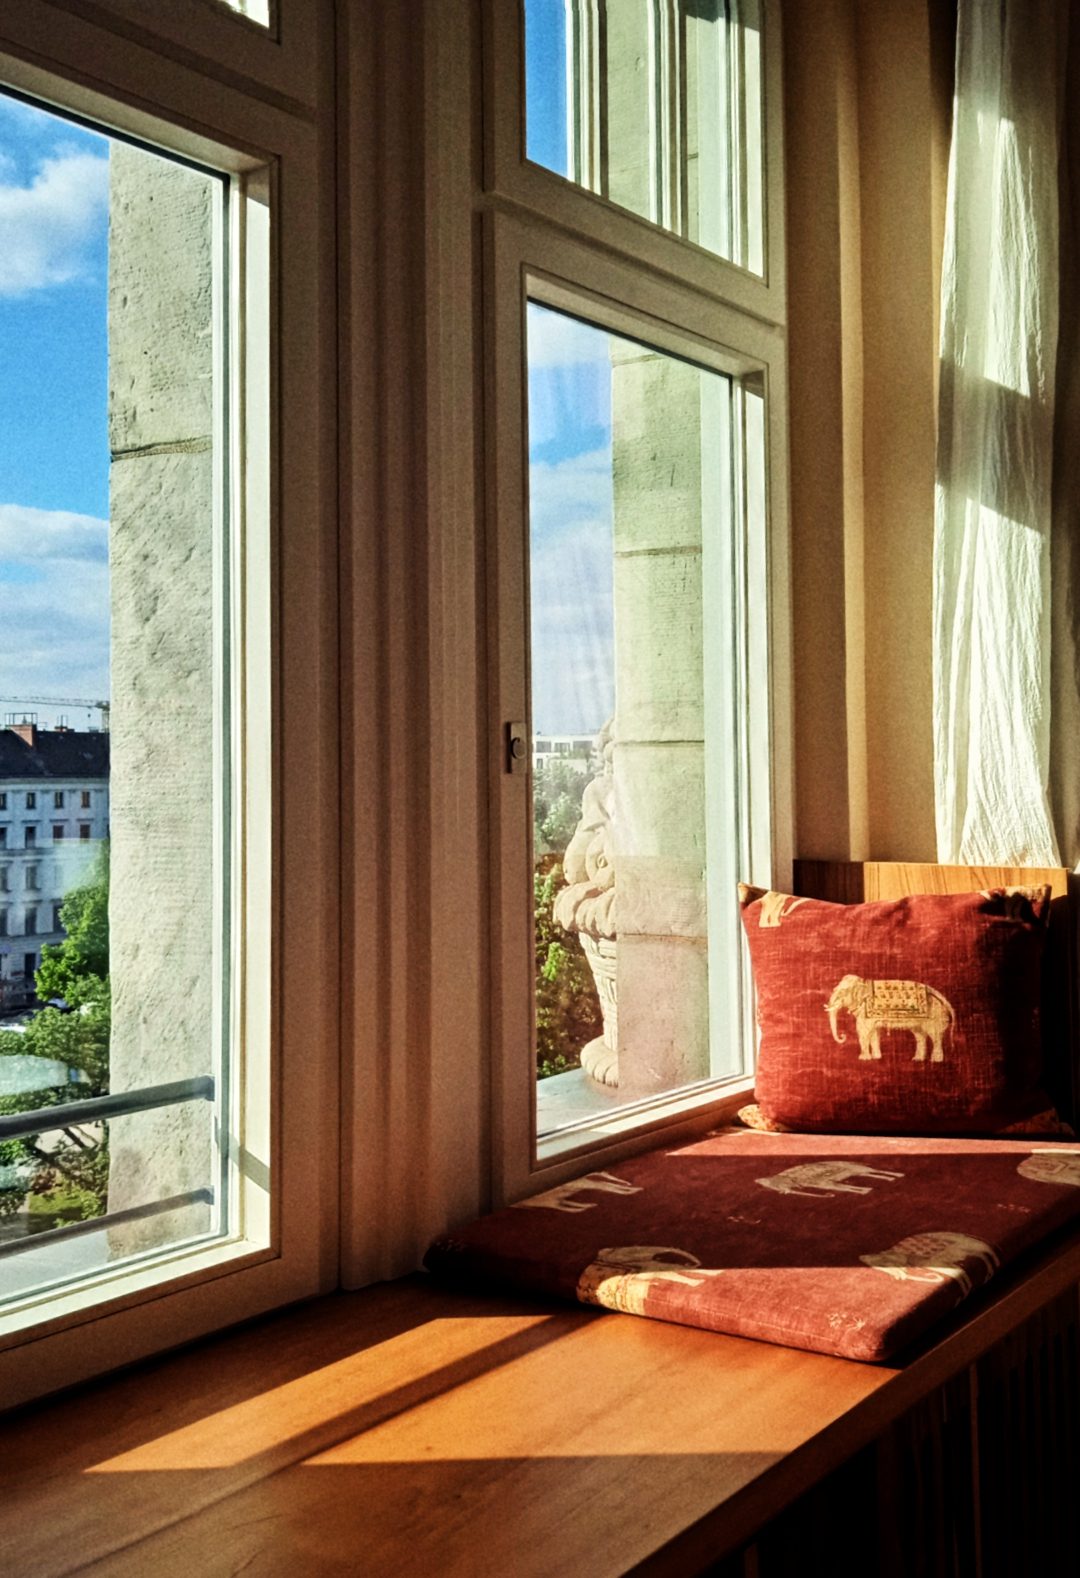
point(517, 748)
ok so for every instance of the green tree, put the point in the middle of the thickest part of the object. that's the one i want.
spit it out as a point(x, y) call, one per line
point(68, 1176)
point(557, 791)
point(567, 1007)
point(83, 955)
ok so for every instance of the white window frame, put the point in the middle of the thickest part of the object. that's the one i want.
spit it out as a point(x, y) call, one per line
point(284, 1154)
point(511, 175)
point(551, 239)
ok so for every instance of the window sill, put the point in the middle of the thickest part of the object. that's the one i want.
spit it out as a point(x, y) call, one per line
point(576, 1116)
point(425, 1427)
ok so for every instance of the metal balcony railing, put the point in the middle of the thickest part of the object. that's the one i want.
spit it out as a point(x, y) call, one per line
point(13, 1126)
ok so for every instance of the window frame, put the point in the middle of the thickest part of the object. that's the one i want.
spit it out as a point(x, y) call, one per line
point(513, 177)
point(642, 282)
point(286, 674)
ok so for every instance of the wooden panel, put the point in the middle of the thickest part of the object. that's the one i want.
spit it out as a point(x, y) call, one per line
point(407, 1430)
point(853, 882)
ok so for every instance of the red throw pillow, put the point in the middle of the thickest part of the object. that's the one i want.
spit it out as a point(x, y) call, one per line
point(915, 1016)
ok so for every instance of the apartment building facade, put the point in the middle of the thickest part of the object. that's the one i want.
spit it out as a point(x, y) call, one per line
point(54, 815)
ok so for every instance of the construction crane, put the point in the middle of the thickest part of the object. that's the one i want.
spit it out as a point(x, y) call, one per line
point(62, 701)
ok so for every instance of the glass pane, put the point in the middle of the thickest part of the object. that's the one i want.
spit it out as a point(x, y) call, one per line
point(644, 477)
point(655, 105)
point(113, 798)
point(257, 10)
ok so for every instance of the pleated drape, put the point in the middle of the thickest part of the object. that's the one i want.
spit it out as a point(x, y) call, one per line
point(1000, 324)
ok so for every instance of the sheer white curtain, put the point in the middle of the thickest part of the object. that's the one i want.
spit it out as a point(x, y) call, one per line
point(999, 355)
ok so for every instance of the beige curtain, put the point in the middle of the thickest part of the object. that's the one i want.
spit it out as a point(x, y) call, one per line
point(1065, 531)
point(1003, 414)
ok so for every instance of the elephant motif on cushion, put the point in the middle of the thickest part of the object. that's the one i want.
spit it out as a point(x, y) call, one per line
point(825, 1178)
point(622, 1278)
point(891, 1005)
point(1052, 1167)
point(561, 1198)
point(936, 1257)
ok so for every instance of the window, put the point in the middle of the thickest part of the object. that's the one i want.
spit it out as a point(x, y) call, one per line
point(3, 838)
point(3, 919)
point(29, 837)
point(150, 610)
point(201, 1217)
point(31, 801)
point(656, 107)
point(4, 879)
point(57, 923)
point(3, 799)
point(651, 507)
point(30, 920)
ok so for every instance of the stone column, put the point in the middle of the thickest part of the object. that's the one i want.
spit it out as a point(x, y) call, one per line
point(162, 588)
point(659, 752)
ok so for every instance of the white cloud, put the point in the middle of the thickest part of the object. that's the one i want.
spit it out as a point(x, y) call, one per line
point(46, 227)
point(54, 603)
point(556, 340)
point(565, 492)
point(572, 605)
point(29, 535)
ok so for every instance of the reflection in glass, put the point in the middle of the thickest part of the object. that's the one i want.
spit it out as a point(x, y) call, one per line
point(113, 797)
point(644, 480)
point(657, 106)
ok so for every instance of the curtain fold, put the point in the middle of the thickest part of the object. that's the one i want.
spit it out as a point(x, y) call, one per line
point(1000, 326)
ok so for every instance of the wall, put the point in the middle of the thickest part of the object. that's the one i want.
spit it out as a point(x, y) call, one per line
point(868, 87)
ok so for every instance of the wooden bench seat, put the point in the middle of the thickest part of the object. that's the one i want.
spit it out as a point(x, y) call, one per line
point(408, 1429)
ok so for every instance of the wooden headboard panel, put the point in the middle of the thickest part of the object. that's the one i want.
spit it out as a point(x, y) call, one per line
point(857, 882)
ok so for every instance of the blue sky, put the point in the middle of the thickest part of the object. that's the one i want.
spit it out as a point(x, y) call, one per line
point(570, 486)
point(54, 456)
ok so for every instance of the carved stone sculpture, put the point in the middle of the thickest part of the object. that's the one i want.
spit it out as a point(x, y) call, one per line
point(586, 905)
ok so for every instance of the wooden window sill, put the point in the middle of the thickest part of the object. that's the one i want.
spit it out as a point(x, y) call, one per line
point(408, 1429)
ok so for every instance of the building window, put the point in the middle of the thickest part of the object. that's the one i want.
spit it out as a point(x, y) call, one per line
point(57, 832)
point(57, 923)
point(58, 799)
point(84, 829)
point(32, 876)
point(3, 838)
point(29, 837)
point(3, 799)
point(3, 921)
point(84, 799)
point(30, 921)
point(4, 879)
point(31, 800)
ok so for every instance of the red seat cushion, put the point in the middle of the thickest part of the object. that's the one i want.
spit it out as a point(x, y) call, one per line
point(843, 1245)
point(913, 1016)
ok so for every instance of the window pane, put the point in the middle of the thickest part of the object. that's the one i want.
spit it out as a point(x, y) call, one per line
point(655, 105)
point(256, 10)
point(640, 504)
point(113, 673)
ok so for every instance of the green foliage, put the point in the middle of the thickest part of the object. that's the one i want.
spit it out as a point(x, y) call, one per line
point(62, 1172)
point(84, 952)
point(567, 1007)
point(557, 791)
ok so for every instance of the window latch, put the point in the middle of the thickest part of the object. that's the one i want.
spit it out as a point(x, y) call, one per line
point(517, 748)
